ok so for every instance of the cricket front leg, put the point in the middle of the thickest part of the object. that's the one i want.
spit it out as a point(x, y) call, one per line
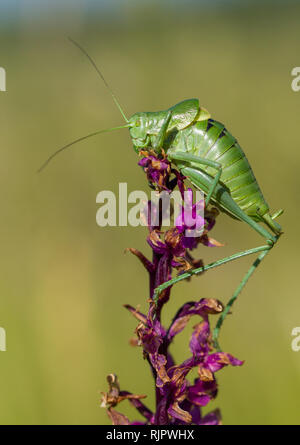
point(237, 292)
point(159, 141)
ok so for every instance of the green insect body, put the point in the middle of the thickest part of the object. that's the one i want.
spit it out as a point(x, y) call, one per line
point(199, 146)
point(211, 158)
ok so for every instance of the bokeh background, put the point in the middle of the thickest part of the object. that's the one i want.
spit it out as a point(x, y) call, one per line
point(64, 279)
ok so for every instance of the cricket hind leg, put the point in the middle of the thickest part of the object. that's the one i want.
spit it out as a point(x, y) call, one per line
point(186, 157)
point(221, 196)
point(235, 295)
point(203, 181)
point(269, 221)
point(211, 186)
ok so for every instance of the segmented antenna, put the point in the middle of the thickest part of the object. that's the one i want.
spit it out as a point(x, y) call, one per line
point(96, 132)
point(101, 75)
point(75, 142)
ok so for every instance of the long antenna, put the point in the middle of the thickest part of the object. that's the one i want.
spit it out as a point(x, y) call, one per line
point(101, 75)
point(75, 142)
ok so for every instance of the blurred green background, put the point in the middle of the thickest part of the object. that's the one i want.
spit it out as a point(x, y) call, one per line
point(64, 279)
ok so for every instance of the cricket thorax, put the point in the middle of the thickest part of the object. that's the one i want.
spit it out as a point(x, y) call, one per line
point(146, 127)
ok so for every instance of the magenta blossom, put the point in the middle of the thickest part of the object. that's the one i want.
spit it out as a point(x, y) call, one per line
point(179, 401)
point(157, 170)
point(193, 225)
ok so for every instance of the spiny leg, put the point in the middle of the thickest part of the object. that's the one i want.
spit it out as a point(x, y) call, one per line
point(222, 197)
point(208, 184)
point(186, 157)
point(202, 269)
point(203, 181)
point(238, 290)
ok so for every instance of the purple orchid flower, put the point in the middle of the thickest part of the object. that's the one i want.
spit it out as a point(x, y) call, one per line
point(178, 400)
point(157, 170)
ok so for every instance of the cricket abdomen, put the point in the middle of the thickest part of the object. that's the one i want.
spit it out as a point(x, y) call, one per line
point(209, 139)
